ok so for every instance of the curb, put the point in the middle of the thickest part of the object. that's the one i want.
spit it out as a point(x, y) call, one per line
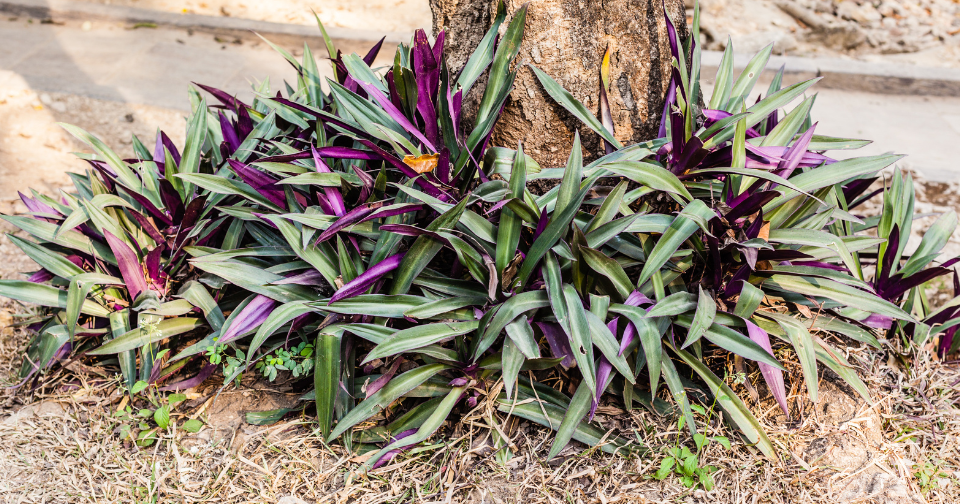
point(851, 75)
point(64, 10)
point(843, 74)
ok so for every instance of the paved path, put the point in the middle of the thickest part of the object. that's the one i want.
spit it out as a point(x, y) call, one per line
point(155, 66)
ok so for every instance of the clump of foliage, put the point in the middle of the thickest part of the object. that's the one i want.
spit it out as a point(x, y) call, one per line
point(372, 228)
point(114, 271)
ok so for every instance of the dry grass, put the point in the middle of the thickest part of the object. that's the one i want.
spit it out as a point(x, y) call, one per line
point(63, 446)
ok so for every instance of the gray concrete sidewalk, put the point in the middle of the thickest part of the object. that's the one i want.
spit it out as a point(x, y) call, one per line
point(155, 66)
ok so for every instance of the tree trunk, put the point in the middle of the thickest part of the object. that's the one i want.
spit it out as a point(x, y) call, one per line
point(567, 39)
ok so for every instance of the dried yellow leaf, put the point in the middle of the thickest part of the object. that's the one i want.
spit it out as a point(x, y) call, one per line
point(422, 164)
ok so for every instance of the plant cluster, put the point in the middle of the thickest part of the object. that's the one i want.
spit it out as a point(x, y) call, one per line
point(371, 227)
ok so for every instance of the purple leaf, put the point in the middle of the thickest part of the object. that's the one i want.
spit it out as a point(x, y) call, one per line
point(410, 230)
point(541, 224)
point(793, 155)
point(443, 166)
point(163, 141)
point(559, 344)
point(772, 375)
point(37, 206)
point(223, 97)
point(324, 116)
point(155, 212)
point(40, 276)
point(372, 53)
point(604, 370)
point(367, 181)
point(189, 383)
point(129, 264)
point(309, 277)
point(352, 217)
point(428, 78)
point(438, 46)
point(393, 453)
point(260, 182)
point(878, 321)
point(229, 134)
point(252, 315)
point(171, 199)
point(396, 114)
point(385, 378)
point(333, 196)
point(152, 262)
point(338, 152)
point(748, 203)
point(360, 284)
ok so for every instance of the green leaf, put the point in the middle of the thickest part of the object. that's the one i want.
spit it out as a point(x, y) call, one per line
point(551, 415)
point(420, 336)
point(314, 178)
point(483, 55)
point(843, 294)
point(610, 269)
point(748, 77)
point(509, 310)
point(500, 77)
point(512, 360)
point(703, 319)
point(508, 231)
point(805, 348)
point(555, 229)
point(47, 231)
point(393, 390)
point(579, 406)
point(521, 333)
point(580, 339)
point(256, 280)
point(198, 296)
point(146, 335)
point(567, 101)
point(124, 173)
point(441, 306)
point(326, 379)
point(277, 318)
point(649, 336)
point(572, 176)
point(46, 295)
point(738, 412)
point(423, 250)
point(193, 149)
point(832, 174)
point(724, 79)
point(162, 417)
point(733, 341)
point(650, 175)
point(682, 228)
point(193, 425)
point(608, 345)
point(48, 260)
point(376, 305)
point(431, 424)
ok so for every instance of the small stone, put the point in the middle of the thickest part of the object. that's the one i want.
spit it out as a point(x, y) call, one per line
point(86, 26)
point(45, 99)
point(58, 106)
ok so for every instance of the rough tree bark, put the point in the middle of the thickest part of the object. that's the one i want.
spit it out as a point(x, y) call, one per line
point(567, 39)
